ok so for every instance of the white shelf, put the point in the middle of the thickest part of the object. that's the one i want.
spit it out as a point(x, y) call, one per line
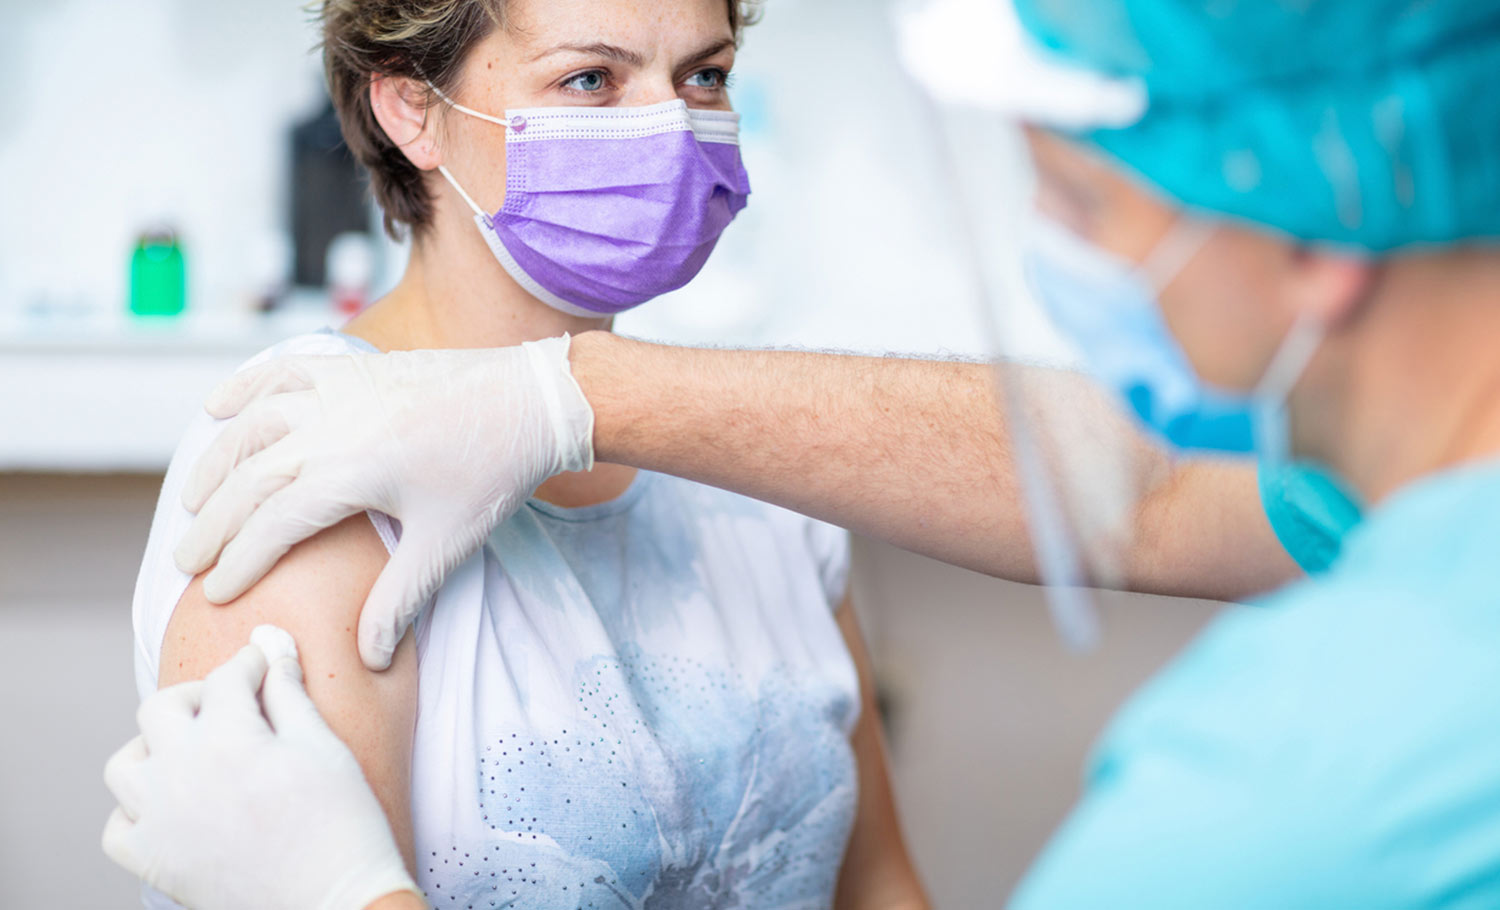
point(115, 397)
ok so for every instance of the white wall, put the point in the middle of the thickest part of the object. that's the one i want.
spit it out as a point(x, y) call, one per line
point(121, 113)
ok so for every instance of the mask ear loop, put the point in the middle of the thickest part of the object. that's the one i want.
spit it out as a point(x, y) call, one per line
point(442, 169)
point(1292, 360)
point(1271, 399)
point(1183, 242)
point(498, 121)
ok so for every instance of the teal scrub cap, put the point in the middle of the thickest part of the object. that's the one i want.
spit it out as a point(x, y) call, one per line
point(1373, 124)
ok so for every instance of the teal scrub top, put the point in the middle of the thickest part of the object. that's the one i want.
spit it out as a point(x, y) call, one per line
point(1336, 746)
point(1310, 511)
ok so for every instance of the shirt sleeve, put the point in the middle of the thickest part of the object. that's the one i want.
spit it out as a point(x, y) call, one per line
point(1310, 512)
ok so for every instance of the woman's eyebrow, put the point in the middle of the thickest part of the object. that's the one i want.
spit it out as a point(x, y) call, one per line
point(598, 49)
point(713, 50)
point(632, 58)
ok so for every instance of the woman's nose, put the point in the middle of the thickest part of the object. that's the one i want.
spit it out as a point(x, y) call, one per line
point(654, 88)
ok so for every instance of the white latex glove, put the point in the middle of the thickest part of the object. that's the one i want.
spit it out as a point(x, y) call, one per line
point(450, 443)
point(221, 808)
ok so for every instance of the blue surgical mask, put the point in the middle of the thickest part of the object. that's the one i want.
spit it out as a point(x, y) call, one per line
point(1107, 306)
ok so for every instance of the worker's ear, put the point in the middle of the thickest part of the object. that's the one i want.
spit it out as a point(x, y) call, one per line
point(404, 110)
point(1331, 286)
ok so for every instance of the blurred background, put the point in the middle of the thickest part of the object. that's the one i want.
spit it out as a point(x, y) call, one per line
point(177, 199)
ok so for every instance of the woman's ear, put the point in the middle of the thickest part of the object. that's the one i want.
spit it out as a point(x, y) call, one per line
point(401, 108)
point(1332, 286)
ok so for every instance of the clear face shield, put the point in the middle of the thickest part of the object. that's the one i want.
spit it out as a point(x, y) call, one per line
point(1082, 463)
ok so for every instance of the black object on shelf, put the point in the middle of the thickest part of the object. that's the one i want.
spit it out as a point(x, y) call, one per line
point(330, 195)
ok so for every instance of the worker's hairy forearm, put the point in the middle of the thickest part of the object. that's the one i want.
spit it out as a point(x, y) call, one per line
point(914, 453)
point(910, 452)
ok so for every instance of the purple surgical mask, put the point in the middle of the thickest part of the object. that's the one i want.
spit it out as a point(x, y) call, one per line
point(607, 208)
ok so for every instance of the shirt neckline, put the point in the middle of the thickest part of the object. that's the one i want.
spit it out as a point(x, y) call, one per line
point(617, 506)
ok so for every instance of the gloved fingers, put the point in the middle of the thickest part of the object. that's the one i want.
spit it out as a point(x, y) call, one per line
point(286, 703)
point(280, 521)
point(258, 427)
point(167, 715)
point(122, 775)
point(231, 692)
point(290, 374)
point(122, 843)
point(231, 506)
point(404, 587)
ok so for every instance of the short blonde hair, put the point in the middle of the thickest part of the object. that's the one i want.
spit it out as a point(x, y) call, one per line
point(417, 39)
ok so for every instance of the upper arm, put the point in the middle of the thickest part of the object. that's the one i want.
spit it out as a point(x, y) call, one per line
point(316, 593)
point(1204, 533)
point(877, 871)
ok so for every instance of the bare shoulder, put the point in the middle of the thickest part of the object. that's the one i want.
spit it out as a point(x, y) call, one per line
point(316, 593)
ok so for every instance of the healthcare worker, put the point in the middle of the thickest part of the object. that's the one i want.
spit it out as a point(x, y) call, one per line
point(1292, 245)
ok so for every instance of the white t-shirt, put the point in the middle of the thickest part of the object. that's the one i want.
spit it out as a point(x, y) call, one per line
point(645, 703)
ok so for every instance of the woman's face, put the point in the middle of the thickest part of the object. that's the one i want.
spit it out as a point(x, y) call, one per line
point(583, 53)
point(1233, 304)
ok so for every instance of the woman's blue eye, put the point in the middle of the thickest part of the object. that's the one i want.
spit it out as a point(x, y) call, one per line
point(592, 81)
point(711, 79)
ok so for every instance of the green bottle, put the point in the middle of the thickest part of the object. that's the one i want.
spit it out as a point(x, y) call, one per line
point(158, 276)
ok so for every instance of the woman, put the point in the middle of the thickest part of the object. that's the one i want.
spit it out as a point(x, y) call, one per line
point(642, 692)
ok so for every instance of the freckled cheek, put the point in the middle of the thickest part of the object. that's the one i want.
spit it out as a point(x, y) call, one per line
point(485, 158)
point(484, 144)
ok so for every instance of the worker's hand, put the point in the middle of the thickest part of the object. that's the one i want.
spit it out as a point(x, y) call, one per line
point(450, 443)
point(223, 808)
